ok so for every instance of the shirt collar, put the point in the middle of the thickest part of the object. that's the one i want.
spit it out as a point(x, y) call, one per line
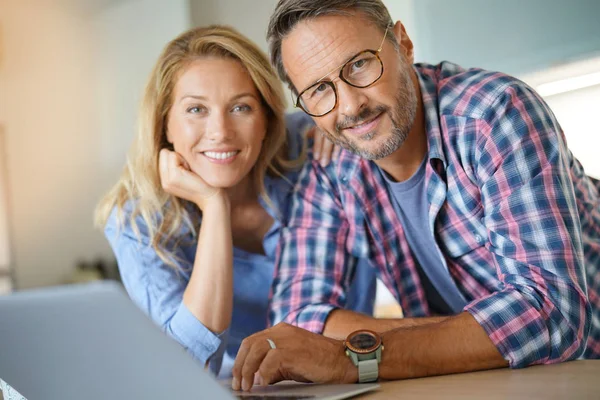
point(428, 82)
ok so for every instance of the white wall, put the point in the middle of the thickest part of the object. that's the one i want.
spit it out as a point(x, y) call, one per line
point(575, 110)
point(50, 127)
point(577, 113)
point(250, 17)
point(511, 36)
point(71, 76)
point(129, 37)
point(4, 230)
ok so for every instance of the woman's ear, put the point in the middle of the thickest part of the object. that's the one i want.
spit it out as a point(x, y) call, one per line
point(406, 45)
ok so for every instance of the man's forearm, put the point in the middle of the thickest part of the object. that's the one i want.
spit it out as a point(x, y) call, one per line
point(457, 344)
point(340, 323)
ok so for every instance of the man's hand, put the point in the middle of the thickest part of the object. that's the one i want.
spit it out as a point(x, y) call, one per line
point(299, 355)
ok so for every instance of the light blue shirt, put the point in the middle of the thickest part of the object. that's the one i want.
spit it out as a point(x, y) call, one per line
point(412, 207)
point(158, 288)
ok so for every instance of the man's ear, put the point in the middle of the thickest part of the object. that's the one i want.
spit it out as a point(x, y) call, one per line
point(406, 45)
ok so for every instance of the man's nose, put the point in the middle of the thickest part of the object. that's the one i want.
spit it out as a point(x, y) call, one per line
point(351, 100)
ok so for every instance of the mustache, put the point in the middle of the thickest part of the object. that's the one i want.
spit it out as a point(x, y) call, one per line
point(364, 115)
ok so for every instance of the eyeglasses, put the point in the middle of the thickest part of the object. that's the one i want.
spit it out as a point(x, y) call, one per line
point(360, 71)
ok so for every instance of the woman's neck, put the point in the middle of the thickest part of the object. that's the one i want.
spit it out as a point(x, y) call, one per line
point(243, 193)
point(249, 220)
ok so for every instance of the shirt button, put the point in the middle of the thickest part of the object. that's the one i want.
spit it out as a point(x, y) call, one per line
point(478, 238)
point(344, 179)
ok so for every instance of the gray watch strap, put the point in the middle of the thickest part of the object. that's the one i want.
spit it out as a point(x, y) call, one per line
point(368, 370)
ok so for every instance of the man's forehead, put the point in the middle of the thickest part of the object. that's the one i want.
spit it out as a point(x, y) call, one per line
point(316, 46)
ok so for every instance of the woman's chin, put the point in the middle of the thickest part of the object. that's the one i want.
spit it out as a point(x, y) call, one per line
point(222, 182)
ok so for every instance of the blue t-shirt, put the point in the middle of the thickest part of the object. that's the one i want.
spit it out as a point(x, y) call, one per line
point(412, 207)
point(158, 289)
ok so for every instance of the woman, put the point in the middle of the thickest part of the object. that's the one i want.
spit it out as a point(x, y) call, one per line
point(194, 220)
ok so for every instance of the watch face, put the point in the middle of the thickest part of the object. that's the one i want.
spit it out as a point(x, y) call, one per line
point(363, 341)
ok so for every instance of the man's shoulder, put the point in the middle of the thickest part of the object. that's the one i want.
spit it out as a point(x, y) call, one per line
point(343, 176)
point(468, 92)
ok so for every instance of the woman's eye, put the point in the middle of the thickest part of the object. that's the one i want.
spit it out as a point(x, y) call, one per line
point(241, 108)
point(195, 109)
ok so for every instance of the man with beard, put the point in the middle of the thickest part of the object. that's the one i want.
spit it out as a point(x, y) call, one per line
point(457, 185)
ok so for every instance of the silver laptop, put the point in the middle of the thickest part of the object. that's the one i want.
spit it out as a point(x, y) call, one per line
point(91, 342)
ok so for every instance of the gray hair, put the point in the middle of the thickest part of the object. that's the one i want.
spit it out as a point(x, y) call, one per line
point(288, 13)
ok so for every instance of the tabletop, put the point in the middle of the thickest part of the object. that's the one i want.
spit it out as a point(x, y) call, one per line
point(576, 379)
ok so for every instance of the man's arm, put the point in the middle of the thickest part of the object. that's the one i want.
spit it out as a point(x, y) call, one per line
point(340, 323)
point(540, 312)
point(457, 344)
point(313, 269)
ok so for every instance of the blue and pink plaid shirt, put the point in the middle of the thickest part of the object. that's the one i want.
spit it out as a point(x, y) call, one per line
point(515, 218)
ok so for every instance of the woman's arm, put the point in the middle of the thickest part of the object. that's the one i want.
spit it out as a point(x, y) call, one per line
point(157, 289)
point(209, 294)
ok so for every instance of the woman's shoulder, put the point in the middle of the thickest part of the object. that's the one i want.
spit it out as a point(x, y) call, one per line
point(128, 220)
point(120, 222)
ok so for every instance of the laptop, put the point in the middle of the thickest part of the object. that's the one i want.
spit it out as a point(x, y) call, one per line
point(91, 342)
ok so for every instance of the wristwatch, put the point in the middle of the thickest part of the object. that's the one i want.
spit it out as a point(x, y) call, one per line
point(364, 348)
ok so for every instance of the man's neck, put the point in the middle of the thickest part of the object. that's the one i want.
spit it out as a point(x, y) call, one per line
point(405, 161)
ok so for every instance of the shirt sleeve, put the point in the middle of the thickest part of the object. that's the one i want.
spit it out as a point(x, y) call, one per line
point(158, 289)
point(312, 268)
point(541, 314)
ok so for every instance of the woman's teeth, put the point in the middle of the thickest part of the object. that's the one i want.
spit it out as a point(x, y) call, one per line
point(220, 155)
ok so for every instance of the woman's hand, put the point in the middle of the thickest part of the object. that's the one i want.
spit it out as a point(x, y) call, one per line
point(323, 149)
point(177, 179)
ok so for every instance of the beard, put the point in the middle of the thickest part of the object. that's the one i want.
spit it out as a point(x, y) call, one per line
point(402, 117)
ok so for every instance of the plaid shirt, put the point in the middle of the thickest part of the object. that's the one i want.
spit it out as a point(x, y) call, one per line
point(515, 218)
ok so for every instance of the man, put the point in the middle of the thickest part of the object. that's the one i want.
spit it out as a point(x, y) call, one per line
point(458, 185)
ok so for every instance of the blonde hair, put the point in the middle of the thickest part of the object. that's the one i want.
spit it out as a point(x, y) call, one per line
point(139, 184)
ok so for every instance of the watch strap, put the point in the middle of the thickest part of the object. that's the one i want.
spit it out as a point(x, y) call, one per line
point(368, 370)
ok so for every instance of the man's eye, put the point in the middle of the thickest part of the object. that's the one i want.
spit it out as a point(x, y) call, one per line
point(359, 63)
point(321, 88)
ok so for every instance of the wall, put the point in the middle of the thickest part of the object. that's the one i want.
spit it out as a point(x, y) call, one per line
point(47, 78)
point(71, 76)
point(247, 16)
point(4, 227)
point(512, 36)
point(129, 37)
point(577, 113)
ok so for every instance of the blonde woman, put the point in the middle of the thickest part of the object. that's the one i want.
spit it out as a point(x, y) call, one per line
point(195, 218)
